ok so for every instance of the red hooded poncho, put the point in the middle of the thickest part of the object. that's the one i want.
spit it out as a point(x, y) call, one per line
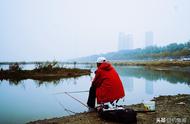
point(108, 84)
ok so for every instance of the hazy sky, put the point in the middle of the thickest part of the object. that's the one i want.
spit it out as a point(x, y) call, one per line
point(64, 29)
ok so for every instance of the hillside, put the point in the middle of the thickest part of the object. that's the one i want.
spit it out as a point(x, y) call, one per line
point(171, 51)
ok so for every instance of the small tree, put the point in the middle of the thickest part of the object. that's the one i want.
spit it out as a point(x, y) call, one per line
point(47, 65)
point(15, 67)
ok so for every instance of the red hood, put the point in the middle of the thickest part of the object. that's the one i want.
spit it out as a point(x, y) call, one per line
point(105, 66)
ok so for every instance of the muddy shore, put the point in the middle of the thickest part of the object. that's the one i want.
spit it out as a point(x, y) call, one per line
point(169, 110)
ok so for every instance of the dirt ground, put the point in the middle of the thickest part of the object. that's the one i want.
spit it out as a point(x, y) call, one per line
point(169, 110)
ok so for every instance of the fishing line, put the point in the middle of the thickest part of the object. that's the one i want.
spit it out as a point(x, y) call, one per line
point(71, 92)
point(67, 110)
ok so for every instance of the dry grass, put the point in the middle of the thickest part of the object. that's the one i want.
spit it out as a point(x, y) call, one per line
point(154, 63)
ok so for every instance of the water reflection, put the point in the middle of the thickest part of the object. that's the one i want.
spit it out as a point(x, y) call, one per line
point(149, 87)
point(42, 82)
point(128, 83)
point(154, 75)
point(56, 82)
point(149, 78)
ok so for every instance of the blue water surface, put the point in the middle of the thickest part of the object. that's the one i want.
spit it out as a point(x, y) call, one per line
point(31, 100)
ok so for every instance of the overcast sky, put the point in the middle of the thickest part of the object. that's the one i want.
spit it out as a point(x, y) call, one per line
point(63, 29)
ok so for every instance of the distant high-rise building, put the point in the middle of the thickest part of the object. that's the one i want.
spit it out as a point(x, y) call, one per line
point(125, 41)
point(122, 39)
point(149, 38)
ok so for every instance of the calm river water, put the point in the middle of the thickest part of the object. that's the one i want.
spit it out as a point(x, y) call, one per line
point(30, 100)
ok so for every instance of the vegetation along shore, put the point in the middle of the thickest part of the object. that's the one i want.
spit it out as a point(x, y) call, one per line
point(44, 72)
point(157, 63)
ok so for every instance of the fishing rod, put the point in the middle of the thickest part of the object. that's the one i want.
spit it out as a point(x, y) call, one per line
point(72, 92)
point(67, 93)
point(76, 99)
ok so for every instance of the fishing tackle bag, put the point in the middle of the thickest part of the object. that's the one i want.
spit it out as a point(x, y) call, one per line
point(118, 114)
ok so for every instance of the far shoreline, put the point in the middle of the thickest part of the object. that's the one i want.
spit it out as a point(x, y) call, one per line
point(47, 71)
point(153, 63)
point(161, 63)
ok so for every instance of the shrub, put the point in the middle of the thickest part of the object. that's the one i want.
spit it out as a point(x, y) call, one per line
point(15, 67)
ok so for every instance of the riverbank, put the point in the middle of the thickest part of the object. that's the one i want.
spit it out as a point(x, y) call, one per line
point(173, 66)
point(155, 63)
point(43, 74)
point(169, 110)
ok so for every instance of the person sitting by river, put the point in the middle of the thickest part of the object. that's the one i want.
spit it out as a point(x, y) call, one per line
point(106, 86)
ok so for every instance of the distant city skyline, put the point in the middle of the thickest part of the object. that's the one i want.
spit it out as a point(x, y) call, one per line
point(126, 41)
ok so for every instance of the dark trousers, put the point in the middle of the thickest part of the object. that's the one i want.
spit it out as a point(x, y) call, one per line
point(92, 97)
